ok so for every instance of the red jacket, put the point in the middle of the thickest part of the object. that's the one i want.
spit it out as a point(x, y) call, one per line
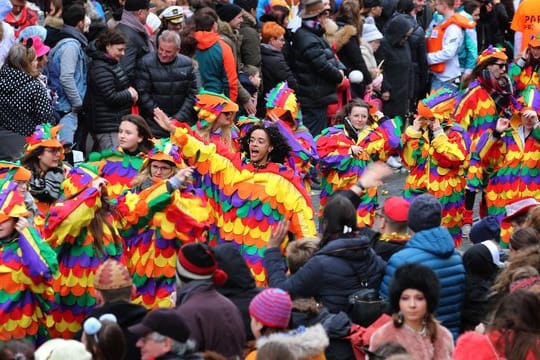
point(27, 18)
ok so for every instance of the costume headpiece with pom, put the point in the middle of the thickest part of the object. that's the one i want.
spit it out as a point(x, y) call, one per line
point(45, 135)
point(164, 150)
point(78, 179)
point(282, 99)
point(209, 105)
point(14, 171)
point(492, 52)
point(11, 202)
point(439, 105)
point(530, 100)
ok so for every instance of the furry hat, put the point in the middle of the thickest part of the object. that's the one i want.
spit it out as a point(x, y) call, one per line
point(418, 277)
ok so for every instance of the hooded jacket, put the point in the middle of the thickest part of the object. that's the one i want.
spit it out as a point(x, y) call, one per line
point(435, 248)
point(250, 52)
point(331, 275)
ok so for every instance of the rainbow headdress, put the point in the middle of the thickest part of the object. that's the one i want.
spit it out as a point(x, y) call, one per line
point(164, 150)
point(530, 100)
point(209, 105)
point(14, 171)
point(11, 202)
point(439, 105)
point(490, 53)
point(45, 135)
point(78, 179)
point(282, 99)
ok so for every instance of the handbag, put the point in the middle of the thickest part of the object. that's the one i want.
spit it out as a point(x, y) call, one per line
point(366, 306)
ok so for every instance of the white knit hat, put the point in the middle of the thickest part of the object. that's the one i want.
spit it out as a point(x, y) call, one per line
point(371, 33)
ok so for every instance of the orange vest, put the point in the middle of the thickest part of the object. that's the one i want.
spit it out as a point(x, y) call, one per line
point(435, 41)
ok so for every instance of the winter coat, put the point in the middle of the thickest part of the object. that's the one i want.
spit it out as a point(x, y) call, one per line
point(171, 87)
point(397, 67)
point(23, 102)
point(331, 275)
point(240, 286)
point(491, 346)
point(315, 67)
point(214, 321)
point(435, 248)
point(107, 97)
point(275, 69)
point(491, 26)
point(250, 52)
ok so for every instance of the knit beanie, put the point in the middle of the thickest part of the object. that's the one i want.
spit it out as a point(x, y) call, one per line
point(371, 33)
point(417, 277)
point(486, 229)
point(272, 308)
point(228, 12)
point(112, 275)
point(197, 262)
point(425, 213)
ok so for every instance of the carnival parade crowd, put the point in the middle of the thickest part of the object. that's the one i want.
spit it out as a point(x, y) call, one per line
point(158, 160)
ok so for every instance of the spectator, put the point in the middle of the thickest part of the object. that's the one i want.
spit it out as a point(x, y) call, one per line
point(67, 71)
point(216, 59)
point(521, 239)
point(518, 210)
point(21, 16)
point(486, 229)
point(53, 23)
point(250, 52)
point(393, 229)
point(7, 35)
point(431, 244)
point(103, 338)
point(167, 80)
point(493, 25)
point(414, 296)
point(371, 10)
point(371, 41)
point(23, 101)
point(109, 95)
point(208, 314)
point(59, 349)
point(138, 40)
point(172, 18)
point(317, 71)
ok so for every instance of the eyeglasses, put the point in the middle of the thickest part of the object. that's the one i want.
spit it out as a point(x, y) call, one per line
point(160, 169)
point(501, 66)
point(54, 151)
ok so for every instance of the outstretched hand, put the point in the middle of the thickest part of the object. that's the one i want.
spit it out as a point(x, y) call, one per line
point(278, 234)
point(163, 120)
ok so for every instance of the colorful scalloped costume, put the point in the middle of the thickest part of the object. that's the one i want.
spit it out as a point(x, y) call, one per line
point(246, 201)
point(437, 164)
point(67, 230)
point(341, 169)
point(27, 265)
point(158, 221)
point(118, 168)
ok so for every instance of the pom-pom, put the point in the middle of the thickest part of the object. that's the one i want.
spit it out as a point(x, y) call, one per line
point(220, 277)
point(356, 77)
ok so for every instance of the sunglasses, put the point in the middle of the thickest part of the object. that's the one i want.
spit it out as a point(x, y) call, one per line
point(501, 65)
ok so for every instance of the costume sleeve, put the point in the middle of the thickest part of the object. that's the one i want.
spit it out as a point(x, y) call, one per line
point(490, 147)
point(384, 140)
point(37, 255)
point(334, 151)
point(413, 141)
point(450, 151)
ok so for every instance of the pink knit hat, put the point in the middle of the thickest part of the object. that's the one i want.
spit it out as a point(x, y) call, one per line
point(272, 308)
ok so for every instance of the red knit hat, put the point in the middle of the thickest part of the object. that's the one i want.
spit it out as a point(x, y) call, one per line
point(272, 307)
point(197, 262)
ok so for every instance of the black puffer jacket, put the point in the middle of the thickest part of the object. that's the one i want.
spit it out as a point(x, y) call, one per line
point(331, 275)
point(107, 97)
point(315, 67)
point(172, 87)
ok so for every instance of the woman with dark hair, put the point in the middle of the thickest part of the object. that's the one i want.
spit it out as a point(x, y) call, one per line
point(513, 334)
point(23, 100)
point(119, 166)
point(104, 338)
point(523, 238)
point(109, 96)
point(414, 296)
point(249, 190)
point(346, 149)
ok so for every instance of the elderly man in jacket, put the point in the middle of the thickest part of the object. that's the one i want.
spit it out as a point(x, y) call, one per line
point(167, 80)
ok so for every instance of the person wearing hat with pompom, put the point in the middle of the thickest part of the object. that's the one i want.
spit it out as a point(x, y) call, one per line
point(214, 321)
point(435, 151)
point(393, 228)
point(432, 245)
point(414, 299)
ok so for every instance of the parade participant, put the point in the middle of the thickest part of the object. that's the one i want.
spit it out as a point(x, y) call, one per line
point(488, 93)
point(169, 213)
point(249, 191)
point(79, 227)
point(345, 150)
point(517, 154)
point(121, 165)
point(524, 71)
point(435, 152)
point(28, 265)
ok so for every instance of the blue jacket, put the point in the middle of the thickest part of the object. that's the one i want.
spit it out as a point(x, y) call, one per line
point(335, 272)
point(435, 248)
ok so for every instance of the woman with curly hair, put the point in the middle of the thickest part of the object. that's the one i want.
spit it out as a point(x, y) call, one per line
point(248, 192)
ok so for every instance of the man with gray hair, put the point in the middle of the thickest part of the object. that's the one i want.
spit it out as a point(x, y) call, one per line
point(167, 80)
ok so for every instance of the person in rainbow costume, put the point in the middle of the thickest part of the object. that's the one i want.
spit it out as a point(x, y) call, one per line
point(27, 266)
point(488, 94)
point(80, 229)
point(524, 71)
point(121, 165)
point(435, 151)
point(345, 150)
point(517, 154)
point(283, 111)
point(160, 214)
point(250, 191)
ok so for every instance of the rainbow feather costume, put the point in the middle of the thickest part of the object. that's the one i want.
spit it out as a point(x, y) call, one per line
point(247, 202)
point(27, 265)
point(341, 169)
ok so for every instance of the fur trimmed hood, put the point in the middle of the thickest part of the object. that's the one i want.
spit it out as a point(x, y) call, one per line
point(338, 36)
point(304, 343)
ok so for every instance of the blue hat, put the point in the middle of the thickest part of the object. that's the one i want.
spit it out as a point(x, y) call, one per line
point(486, 229)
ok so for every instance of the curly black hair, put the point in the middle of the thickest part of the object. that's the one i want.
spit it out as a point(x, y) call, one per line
point(281, 149)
